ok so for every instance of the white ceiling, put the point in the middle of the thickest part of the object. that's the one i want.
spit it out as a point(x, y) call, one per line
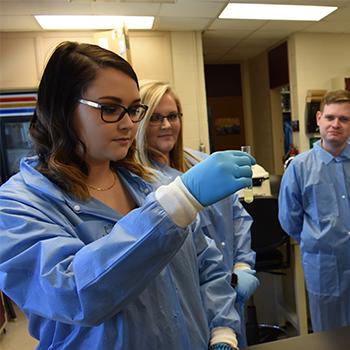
point(224, 41)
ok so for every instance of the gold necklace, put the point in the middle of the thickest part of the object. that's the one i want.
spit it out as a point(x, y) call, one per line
point(104, 189)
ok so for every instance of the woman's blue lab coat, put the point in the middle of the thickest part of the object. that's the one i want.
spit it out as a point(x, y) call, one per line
point(88, 278)
point(228, 224)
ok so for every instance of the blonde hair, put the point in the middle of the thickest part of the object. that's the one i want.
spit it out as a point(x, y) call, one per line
point(151, 92)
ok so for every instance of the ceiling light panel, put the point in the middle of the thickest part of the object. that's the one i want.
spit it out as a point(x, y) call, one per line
point(51, 22)
point(276, 12)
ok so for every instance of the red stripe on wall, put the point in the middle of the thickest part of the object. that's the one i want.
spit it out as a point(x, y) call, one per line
point(17, 99)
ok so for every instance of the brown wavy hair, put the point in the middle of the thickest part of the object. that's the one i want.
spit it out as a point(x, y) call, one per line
point(68, 73)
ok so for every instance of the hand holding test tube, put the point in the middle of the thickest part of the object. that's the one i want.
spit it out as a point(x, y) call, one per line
point(248, 195)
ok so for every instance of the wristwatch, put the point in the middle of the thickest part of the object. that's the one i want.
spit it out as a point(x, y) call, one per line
point(221, 346)
point(234, 280)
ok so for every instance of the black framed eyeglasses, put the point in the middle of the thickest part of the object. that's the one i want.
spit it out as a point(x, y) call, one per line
point(157, 119)
point(114, 112)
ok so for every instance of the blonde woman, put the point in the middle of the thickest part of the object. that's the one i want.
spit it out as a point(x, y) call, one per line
point(159, 144)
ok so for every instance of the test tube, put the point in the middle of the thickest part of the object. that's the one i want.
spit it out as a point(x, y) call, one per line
point(248, 195)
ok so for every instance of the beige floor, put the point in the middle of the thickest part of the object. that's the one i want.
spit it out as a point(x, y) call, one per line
point(16, 336)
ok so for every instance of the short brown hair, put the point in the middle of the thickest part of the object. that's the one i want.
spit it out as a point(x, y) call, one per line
point(336, 96)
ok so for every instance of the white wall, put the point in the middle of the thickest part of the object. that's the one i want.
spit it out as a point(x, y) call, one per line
point(170, 56)
point(188, 71)
point(23, 55)
point(317, 61)
point(151, 55)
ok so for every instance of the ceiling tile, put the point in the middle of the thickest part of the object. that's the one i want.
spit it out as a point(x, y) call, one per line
point(257, 43)
point(286, 25)
point(191, 8)
point(226, 34)
point(342, 14)
point(329, 27)
point(147, 1)
point(319, 2)
point(270, 34)
point(220, 44)
point(242, 51)
point(18, 23)
point(231, 24)
point(181, 23)
point(216, 51)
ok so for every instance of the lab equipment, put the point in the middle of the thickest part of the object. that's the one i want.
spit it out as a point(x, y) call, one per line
point(247, 191)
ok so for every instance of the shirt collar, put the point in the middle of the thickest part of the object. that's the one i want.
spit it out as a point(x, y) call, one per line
point(326, 157)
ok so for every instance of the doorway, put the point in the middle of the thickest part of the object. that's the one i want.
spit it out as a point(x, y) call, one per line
point(225, 106)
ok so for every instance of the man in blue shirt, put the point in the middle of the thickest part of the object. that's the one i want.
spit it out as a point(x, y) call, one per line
point(314, 209)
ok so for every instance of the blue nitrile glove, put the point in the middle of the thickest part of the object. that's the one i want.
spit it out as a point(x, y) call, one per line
point(246, 285)
point(218, 176)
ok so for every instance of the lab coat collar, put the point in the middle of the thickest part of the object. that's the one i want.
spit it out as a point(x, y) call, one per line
point(326, 157)
point(136, 186)
point(34, 179)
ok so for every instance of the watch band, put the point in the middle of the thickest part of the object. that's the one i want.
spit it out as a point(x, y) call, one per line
point(221, 346)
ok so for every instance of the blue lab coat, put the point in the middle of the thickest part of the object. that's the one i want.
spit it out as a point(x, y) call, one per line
point(314, 210)
point(228, 224)
point(89, 278)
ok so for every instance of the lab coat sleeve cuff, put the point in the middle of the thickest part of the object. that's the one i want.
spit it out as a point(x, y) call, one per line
point(178, 202)
point(241, 266)
point(223, 335)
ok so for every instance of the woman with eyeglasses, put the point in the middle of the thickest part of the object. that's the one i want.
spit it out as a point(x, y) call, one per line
point(160, 145)
point(92, 251)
